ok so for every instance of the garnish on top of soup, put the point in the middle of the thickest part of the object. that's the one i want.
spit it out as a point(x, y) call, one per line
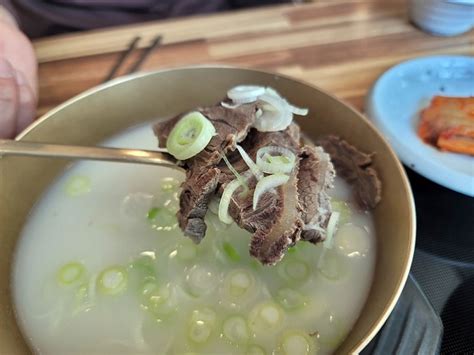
point(247, 155)
point(448, 123)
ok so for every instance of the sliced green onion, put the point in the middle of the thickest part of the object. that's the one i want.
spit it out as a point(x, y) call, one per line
point(236, 330)
point(71, 273)
point(345, 212)
point(291, 299)
point(352, 240)
point(113, 280)
point(297, 342)
point(239, 284)
point(331, 230)
point(169, 184)
point(201, 325)
point(225, 201)
point(294, 270)
point(250, 163)
point(230, 251)
point(162, 218)
point(144, 266)
point(186, 250)
point(172, 203)
point(147, 288)
point(266, 317)
point(239, 177)
point(267, 183)
point(190, 136)
point(160, 300)
point(331, 266)
point(152, 213)
point(276, 160)
point(200, 281)
point(255, 350)
point(332, 331)
point(78, 185)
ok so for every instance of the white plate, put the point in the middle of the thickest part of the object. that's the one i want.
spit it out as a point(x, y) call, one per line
point(394, 105)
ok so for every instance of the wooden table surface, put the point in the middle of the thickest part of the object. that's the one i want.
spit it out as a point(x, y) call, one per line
point(341, 46)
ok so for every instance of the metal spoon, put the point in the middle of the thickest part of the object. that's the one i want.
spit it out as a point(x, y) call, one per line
point(11, 147)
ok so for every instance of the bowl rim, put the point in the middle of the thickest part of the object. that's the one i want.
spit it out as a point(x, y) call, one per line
point(412, 214)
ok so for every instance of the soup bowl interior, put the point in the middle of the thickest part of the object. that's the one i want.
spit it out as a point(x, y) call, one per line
point(105, 111)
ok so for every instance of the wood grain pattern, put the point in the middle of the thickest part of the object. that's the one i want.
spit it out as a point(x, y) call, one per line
point(341, 46)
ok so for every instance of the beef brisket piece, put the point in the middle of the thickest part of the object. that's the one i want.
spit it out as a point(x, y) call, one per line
point(197, 190)
point(354, 166)
point(241, 208)
point(269, 244)
point(281, 215)
point(299, 209)
point(232, 126)
point(315, 179)
point(276, 223)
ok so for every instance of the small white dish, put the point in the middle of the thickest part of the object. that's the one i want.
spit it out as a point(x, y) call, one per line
point(442, 17)
point(396, 100)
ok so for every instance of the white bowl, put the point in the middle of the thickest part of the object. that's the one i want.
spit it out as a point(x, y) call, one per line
point(443, 17)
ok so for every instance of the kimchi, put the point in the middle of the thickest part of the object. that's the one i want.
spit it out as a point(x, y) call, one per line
point(448, 123)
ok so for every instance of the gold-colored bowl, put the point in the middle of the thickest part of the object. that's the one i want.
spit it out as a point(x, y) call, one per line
point(109, 109)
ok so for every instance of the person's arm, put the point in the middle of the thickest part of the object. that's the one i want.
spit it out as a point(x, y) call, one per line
point(18, 76)
point(6, 14)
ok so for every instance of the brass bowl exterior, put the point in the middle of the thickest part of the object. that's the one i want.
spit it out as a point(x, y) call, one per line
point(111, 108)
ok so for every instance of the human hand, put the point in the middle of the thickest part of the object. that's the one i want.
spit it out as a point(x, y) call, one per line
point(18, 79)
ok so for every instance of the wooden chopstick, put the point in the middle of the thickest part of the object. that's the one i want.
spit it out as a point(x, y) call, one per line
point(146, 52)
point(131, 47)
point(141, 59)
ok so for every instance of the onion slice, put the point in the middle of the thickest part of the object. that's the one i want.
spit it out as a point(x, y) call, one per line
point(276, 114)
point(276, 160)
point(299, 111)
point(296, 110)
point(267, 183)
point(331, 230)
point(239, 177)
point(244, 94)
point(250, 163)
point(229, 106)
point(190, 136)
point(229, 190)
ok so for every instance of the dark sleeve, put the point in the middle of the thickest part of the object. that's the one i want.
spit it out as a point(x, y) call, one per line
point(252, 3)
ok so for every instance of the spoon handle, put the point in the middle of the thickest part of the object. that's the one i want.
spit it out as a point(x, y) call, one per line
point(11, 147)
